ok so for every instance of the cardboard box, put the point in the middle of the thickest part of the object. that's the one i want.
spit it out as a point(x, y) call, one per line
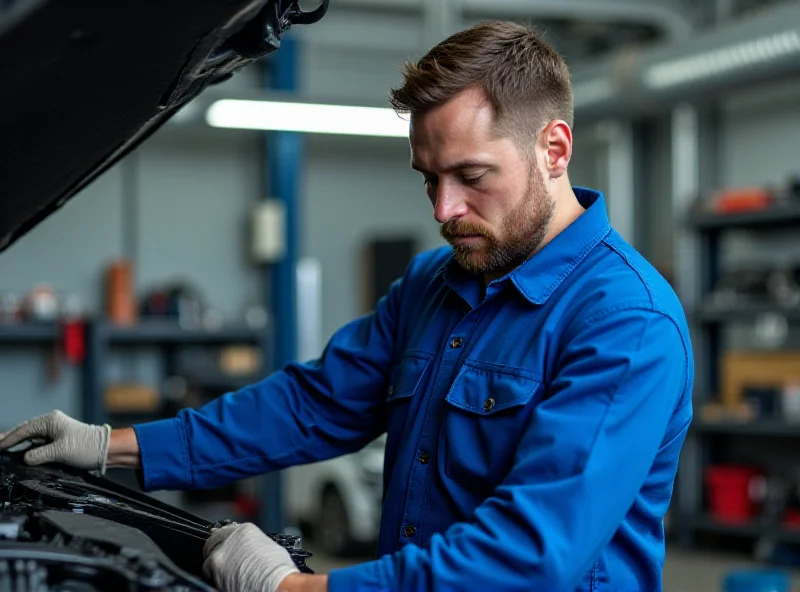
point(742, 369)
point(131, 398)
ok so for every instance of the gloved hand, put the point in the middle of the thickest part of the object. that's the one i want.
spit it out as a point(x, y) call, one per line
point(241, 558)
point(72, 442)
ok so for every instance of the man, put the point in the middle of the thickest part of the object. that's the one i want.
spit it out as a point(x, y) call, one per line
point(534, 379)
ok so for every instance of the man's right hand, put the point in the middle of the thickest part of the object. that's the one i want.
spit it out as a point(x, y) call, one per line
point(69, 441)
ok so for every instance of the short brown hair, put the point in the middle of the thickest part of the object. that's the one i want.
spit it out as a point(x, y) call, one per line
point(524, 78)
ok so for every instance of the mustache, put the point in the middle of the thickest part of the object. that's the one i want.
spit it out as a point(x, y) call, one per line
point(454, 228)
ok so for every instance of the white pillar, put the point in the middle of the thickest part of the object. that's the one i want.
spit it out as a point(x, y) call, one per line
point(621, 172)
point(685, 188)
point(442, 18)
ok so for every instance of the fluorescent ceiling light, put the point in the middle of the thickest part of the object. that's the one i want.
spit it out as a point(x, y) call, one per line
point(722, 61)
point(307, 118)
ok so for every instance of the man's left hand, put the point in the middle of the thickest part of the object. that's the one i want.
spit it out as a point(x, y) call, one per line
point(241, 558)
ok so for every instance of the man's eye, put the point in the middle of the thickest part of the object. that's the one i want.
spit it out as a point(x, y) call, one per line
point(430, 181)
point(472, 180)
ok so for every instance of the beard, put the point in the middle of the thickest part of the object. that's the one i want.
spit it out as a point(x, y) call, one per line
point(519, 235)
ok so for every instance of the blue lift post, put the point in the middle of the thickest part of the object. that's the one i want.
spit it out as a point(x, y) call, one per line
point(282, 169)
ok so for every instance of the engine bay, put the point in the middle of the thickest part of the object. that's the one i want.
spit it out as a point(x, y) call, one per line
point(64, 530)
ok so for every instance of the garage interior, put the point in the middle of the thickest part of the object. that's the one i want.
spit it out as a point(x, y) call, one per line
point(218, 251)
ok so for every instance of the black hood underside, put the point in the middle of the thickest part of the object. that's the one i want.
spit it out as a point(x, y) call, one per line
point(82, 82)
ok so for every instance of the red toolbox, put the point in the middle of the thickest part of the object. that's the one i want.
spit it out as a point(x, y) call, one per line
point(735, 492)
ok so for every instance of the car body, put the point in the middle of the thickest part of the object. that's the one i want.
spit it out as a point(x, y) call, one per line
point(338, 501)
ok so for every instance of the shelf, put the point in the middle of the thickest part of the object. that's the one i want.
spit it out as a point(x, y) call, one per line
point(775, 428)
point(168, 332)
point(220, 382)
point(709, 314)
point(754, 530)
point(29, 333)
point(127, 418)
point(781, 216)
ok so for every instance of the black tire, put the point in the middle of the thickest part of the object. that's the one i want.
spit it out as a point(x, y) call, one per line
point(333, 530)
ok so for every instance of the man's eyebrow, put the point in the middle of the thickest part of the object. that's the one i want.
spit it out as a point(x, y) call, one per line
point(457, 166)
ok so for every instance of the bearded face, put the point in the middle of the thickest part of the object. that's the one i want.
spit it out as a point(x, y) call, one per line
point(481, 249)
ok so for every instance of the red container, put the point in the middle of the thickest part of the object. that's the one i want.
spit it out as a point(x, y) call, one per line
point(734, 493)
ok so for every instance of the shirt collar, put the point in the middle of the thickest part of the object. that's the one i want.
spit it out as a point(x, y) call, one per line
point(538, 277)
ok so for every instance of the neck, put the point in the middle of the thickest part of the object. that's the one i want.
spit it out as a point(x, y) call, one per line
point(567, 210)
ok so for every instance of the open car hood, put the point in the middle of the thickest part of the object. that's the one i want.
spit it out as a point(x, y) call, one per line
point(84, 82)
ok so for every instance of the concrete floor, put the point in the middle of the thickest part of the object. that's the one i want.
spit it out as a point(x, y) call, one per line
point(683, 572)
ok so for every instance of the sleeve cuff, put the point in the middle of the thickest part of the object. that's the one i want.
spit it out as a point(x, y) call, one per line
point(366, 577)
point(165, 457)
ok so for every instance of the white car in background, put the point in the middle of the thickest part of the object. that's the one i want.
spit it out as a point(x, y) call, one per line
point(337, 502)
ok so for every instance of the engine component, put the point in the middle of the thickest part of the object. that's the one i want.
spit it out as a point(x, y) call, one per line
point(63, 530)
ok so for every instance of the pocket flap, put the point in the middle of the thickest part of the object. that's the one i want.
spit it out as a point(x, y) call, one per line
point(487, 388)
point(407, 376)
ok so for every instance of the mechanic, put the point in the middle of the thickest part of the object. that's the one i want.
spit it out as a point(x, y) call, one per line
point(534, 378)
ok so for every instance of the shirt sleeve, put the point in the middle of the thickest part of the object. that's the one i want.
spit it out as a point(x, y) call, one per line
point(578, 469)
point(303, 413)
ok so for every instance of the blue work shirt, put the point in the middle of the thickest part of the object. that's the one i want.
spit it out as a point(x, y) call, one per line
point(533, 433)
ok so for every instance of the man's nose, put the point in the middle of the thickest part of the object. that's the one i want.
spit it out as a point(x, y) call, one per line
point(449, 204)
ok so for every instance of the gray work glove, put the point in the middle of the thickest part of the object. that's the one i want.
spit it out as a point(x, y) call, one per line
point(241, 558)
point(70, 441)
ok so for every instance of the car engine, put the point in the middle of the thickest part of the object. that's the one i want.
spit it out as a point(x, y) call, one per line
point(64, 530)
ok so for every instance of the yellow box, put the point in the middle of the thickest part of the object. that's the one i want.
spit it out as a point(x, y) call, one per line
point(743, 369)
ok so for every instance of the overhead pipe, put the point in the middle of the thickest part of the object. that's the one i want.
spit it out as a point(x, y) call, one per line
point(376, 5)
point(759, 49)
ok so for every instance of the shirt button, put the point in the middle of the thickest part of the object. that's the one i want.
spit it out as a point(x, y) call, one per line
point(488, 404)
point(424, 458)
point(409, 531)
point(456, 342)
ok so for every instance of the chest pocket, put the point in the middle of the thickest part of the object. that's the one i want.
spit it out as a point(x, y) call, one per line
point(405, 381)
point(488, 408)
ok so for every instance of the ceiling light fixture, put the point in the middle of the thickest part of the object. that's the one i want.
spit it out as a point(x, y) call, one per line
point(306, 118)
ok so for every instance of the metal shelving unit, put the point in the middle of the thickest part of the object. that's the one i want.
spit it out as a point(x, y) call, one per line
point(779, 216)
point(763, 428)
point(713, 315)
point(168, 337)
point(160, 332)
point(776, 532)
point(216, 382)
point(710, 320)
point(46, 337)
point(709, 323)
point(29, 333)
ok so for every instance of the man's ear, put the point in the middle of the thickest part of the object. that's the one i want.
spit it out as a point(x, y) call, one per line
point(556, 140)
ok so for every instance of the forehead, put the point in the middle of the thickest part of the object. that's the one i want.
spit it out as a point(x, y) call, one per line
point(463, 124)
